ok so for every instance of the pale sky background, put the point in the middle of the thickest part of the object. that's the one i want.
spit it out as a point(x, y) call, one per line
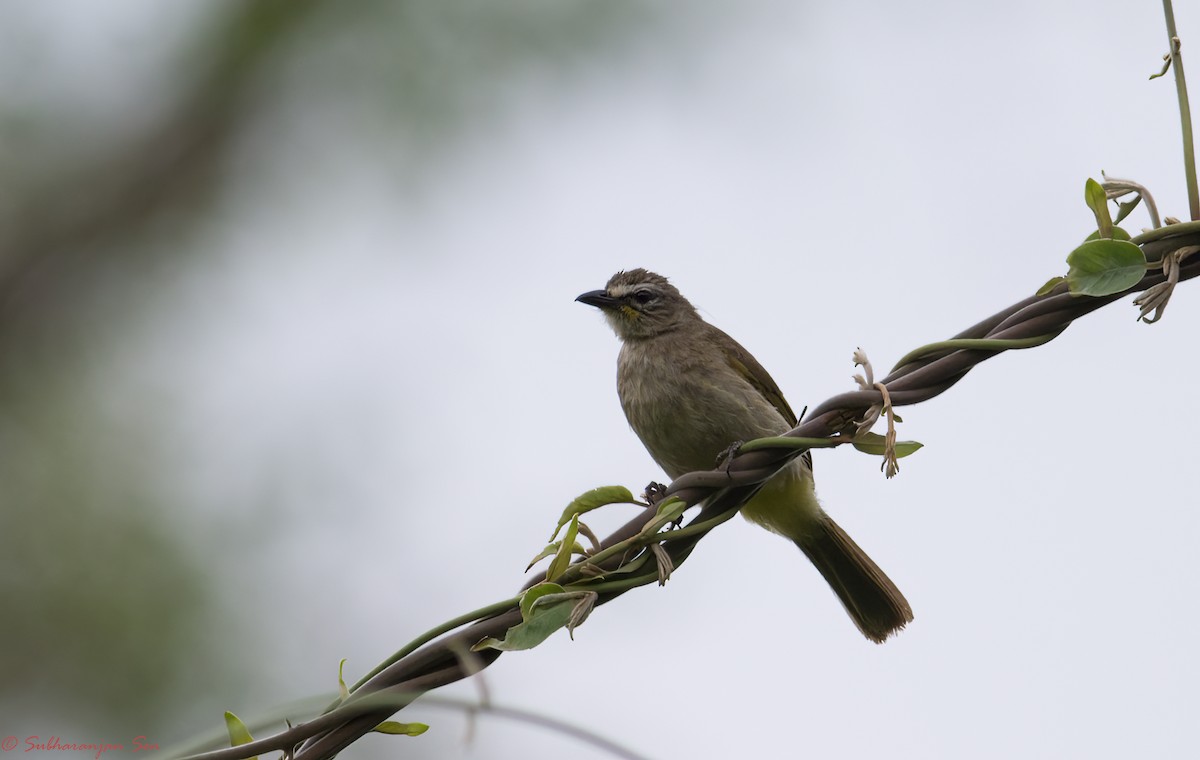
point(373, 397)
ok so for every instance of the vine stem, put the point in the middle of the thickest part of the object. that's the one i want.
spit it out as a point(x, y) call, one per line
point(432, 634)
point(1185, 112)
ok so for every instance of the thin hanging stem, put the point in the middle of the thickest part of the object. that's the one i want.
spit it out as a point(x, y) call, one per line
point(1185, 112)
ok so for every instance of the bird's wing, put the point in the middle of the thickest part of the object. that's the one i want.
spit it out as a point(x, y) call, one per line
point(748, 367)
point(744, 363)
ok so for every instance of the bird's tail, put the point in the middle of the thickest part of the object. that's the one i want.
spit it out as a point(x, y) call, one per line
point(873, 601)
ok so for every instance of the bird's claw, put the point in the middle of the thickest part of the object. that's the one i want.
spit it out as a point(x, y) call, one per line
point(725, 458)
point(654, 493)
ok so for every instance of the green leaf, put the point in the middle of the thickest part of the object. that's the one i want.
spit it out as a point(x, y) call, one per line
point(593, 499)
point(1097, 201)
point(401, 729)
point(1104, 267)
point(548, 551)
point(876, 444)
point(238, 733)
point(671, 508)
point(535, 593)
point(547, 614)
point(343, 692)
point(1050, 285)
point(562, 557)
point(1124, 209)
point(1117, 234)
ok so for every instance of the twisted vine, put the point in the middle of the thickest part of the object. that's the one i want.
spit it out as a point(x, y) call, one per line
point(624, 560)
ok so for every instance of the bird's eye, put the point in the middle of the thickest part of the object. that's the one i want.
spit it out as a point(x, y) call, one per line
point(643, 296)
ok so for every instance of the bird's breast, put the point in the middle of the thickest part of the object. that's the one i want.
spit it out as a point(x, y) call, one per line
point(688, 407)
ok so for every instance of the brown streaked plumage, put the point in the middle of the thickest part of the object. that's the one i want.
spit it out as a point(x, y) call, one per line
point(689, 391)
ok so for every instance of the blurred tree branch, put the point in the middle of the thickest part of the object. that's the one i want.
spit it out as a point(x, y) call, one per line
point(59, 221)
point(81, 247)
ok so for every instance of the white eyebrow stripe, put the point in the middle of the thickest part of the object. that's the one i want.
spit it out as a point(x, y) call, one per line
point(622, 289)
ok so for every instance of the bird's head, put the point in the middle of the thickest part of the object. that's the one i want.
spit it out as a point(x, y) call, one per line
point(640, 304)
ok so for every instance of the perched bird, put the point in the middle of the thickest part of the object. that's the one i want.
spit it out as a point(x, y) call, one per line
point(690, 391)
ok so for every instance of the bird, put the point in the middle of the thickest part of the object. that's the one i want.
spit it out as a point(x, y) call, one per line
point(690, 393)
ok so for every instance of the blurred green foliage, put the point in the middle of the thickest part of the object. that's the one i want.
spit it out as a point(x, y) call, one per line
point(108, 604)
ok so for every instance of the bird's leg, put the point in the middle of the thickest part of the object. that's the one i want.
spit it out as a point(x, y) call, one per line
point(725, 458)
point(656, 492)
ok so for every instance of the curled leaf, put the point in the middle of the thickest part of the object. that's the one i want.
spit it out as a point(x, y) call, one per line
point(1126, 207)
point(535, 593)
point(579, 613)
point(592, 538)
point(663, 560)
point(343, 692)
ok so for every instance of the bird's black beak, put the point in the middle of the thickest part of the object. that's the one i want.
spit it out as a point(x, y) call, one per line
point(598, 298)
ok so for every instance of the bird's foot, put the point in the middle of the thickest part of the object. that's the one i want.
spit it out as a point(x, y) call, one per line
point(654, 493)
point(725, 458)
